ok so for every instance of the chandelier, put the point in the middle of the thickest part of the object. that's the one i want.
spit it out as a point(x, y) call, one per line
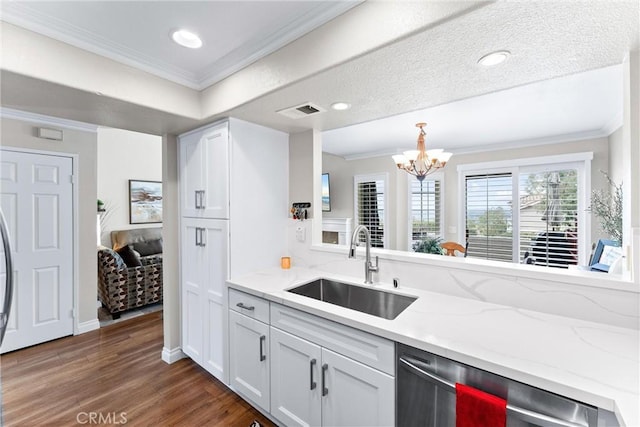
point(421, 162)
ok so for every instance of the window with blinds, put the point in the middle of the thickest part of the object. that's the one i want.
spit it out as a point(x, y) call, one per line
point(370, 206)
point(548, 231)
point(543, 230)
point(424, 206)
point(489, 203)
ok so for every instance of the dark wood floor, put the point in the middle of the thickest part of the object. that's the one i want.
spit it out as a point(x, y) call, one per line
point(115, 375)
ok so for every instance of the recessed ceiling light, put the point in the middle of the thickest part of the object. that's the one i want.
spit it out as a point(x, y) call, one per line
point(494, 58)
point(187, 39)
point(340, 106)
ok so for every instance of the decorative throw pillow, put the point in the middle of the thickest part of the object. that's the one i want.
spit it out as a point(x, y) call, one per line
point(150, 247)
point(112, 256)
point(129, 256)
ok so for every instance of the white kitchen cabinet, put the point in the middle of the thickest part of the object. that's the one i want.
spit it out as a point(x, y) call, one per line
point(203, 274)
point(355, 394)
point(234, 208)
point(249, 358)
point(296, 391)
point(313, 385)
point(204, 173)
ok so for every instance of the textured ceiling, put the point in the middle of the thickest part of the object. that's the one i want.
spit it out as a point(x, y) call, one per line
point(438, 66)
point(234, 33)
point(434, 67)
point(580, 105)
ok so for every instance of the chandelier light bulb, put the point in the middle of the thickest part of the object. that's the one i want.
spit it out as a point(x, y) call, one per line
point(421, 162)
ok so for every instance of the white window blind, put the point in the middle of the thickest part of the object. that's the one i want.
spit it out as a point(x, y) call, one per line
point(549, 217)
point(489, 216)
point(425, 204)
point(370, 206)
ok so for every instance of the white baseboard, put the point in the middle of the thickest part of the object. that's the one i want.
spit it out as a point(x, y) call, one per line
point(88, 326)
point(173, 355)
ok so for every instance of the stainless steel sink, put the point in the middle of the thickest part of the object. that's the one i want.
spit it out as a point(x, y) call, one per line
point(366, 300)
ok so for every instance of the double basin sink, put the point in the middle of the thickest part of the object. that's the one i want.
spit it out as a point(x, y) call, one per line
point(365, 300)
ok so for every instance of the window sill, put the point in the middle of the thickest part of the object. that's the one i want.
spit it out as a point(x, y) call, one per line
point(573, 276)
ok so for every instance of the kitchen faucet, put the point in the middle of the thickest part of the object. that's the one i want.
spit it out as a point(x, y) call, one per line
point(368, 267)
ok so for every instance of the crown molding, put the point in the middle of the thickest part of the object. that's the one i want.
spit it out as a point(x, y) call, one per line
point(613, 124)
point(41, 119)
point(554, 139)
point(603, 132)
point(260, 47)
point(20, 14)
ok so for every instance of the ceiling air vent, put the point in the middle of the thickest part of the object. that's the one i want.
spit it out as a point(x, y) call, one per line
point(302, 110)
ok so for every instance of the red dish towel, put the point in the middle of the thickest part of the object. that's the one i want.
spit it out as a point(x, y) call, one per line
point(475, 408)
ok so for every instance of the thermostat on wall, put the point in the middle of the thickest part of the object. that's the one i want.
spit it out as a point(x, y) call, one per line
point(53, 134)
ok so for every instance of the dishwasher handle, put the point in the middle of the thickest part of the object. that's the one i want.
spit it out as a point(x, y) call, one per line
point(520, 413)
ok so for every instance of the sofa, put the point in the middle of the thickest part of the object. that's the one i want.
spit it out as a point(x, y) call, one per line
point(130, 273)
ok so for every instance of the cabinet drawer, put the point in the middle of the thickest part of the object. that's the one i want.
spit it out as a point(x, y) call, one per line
point(362, 346)
point(249, 305)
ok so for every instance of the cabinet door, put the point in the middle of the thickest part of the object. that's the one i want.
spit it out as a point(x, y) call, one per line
point(193, 282)
point(249, 354)
point(191, 175)
point(215, 241)
point(215, 149)
point(295, 380)
point(355, 394)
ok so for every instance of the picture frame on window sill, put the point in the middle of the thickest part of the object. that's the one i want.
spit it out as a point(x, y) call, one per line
point(145, 202)
point(606, 254)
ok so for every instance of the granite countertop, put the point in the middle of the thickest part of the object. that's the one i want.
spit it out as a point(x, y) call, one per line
point(594, 363)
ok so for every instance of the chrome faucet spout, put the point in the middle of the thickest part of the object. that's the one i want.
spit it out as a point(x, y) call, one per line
point(369, 268)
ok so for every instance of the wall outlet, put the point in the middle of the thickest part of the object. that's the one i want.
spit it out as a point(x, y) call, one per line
point(301, 233)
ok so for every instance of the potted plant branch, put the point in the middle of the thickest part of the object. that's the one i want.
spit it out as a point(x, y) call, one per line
point(607, 207)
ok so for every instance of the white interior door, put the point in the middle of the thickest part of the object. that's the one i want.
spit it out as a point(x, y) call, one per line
point(37, 200)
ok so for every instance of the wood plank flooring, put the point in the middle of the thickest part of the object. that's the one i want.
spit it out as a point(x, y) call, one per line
point(116, 376)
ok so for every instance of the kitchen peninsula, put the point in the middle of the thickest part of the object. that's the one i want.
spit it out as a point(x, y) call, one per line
point(590, 362)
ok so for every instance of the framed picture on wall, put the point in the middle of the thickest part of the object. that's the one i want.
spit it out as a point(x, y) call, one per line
point(145, 202)
point(326, 198)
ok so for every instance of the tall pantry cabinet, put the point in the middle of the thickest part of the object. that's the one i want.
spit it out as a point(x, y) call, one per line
point(234, 200)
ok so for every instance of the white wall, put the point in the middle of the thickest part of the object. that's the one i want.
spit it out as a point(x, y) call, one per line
point(616, 156)
point(124, 155)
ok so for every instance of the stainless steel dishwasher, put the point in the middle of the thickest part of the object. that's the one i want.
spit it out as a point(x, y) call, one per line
point(426, 396)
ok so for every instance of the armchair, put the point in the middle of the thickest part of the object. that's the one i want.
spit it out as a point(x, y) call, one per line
point(121, 288)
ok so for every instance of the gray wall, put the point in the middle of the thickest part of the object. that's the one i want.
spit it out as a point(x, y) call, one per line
point(342, 171)
point(301, 168)
point(21, 134)
point(170, 245)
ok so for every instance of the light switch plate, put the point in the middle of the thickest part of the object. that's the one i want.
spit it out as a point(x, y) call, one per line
point(301, 233)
